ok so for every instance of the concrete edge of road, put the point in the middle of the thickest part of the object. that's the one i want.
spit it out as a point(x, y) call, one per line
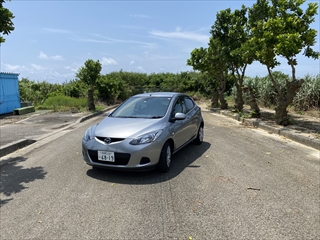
point(281, 131)
point(22, 143)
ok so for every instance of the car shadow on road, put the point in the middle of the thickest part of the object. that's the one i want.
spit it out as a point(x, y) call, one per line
point(13, 177)
point(185, 158)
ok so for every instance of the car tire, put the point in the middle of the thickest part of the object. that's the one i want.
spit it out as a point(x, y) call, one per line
point(165, 158)
point(199, 138)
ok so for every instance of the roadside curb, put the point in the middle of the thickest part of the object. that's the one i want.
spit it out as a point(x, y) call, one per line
point(85, 118)
point(14, 146)
point(279, 130)
point(11, 147)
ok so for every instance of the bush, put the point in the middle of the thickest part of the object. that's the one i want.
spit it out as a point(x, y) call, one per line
point(36, 92)
point(64, 103)
point(308, 96)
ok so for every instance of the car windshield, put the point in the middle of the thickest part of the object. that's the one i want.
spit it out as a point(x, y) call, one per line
point(143, 107)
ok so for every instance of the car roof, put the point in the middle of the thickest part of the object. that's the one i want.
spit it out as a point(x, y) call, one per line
point(158, 94)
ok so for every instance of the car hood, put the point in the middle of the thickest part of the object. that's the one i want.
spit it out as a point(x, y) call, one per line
point(126, 127)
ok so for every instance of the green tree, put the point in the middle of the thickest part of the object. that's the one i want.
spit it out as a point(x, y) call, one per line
point(281, 28)
point(213, 62)
point(231, 30)
point(6, 24)
point(74, 88)
point(36, 92)
point(89, 74)
point(110, 87)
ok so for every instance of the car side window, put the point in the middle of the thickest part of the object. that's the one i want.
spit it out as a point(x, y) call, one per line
point(179, 107)
point(189, 104)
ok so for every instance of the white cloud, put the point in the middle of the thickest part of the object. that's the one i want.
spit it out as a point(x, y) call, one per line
point(13, 68)
point(156, 57)
point(139, 16)
point(90, 40)
point(57, 57)
point(42, 55)
point(54, 76)
point(132, 27)
point(141, 69)
point(178, 34)
point(132, 62)
point(108, 61)
point(37, 67)
point(71, 68)
point(114, 40)
point(55, 30)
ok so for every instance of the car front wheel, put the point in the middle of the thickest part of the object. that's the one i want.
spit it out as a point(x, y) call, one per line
point(200, 135)
point(165, 158)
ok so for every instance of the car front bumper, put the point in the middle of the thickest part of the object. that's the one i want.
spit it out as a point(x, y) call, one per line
point(127, 157)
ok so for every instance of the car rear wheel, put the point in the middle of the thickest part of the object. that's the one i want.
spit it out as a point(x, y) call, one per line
point(165, 158)
point(200, 135)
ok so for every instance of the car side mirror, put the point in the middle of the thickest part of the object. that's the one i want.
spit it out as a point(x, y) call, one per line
point(179, 116)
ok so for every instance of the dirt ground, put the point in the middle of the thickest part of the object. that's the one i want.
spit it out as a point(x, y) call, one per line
point(305, 124)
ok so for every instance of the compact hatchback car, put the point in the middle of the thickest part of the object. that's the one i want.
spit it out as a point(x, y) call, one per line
point(143, 132)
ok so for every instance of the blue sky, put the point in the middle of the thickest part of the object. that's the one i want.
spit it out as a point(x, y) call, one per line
point(53, 39)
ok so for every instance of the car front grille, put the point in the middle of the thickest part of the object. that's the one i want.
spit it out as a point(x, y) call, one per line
point(113, 140)
point(120, 158)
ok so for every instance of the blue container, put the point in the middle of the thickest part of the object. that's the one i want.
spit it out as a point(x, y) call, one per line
point(9, 92)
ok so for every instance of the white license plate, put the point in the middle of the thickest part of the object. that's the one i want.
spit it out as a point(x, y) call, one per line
point(106, 156)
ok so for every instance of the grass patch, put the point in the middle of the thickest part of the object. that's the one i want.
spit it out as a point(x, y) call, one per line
point(64, 103)
point(231, 101)
point(100, 108)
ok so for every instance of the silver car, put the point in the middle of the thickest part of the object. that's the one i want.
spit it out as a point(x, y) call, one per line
point(144, 132)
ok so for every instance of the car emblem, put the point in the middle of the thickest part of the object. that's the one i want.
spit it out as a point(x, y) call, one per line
point(107, 140)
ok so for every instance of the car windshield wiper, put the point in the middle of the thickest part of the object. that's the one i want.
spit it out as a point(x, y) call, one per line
point(128, 117)
point(156, 117)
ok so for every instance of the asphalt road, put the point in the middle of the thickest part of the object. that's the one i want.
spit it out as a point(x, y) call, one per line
point(241, 183)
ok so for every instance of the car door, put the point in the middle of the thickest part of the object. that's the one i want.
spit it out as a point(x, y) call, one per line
point(179, 128)
point(192, 118)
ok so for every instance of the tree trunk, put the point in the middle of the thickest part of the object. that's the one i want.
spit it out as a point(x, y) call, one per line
point(281, 115)
point(285, 100)
point(91, 105)
point(215, 99)
point(253, 103)
point(239, 99)
point(223, 102)
point(221, 89)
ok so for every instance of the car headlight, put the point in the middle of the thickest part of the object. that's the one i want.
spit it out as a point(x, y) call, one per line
point(88, 134)
point(146, 138)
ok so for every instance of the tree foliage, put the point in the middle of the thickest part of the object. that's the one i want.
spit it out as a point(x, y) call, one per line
point(212, 61)
point(268, 30)
point(110, 87)
point(6, 24)
point(89, 74)
point(280, 28)
point(36, 92)
point(231, 30)
point(116, 87)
